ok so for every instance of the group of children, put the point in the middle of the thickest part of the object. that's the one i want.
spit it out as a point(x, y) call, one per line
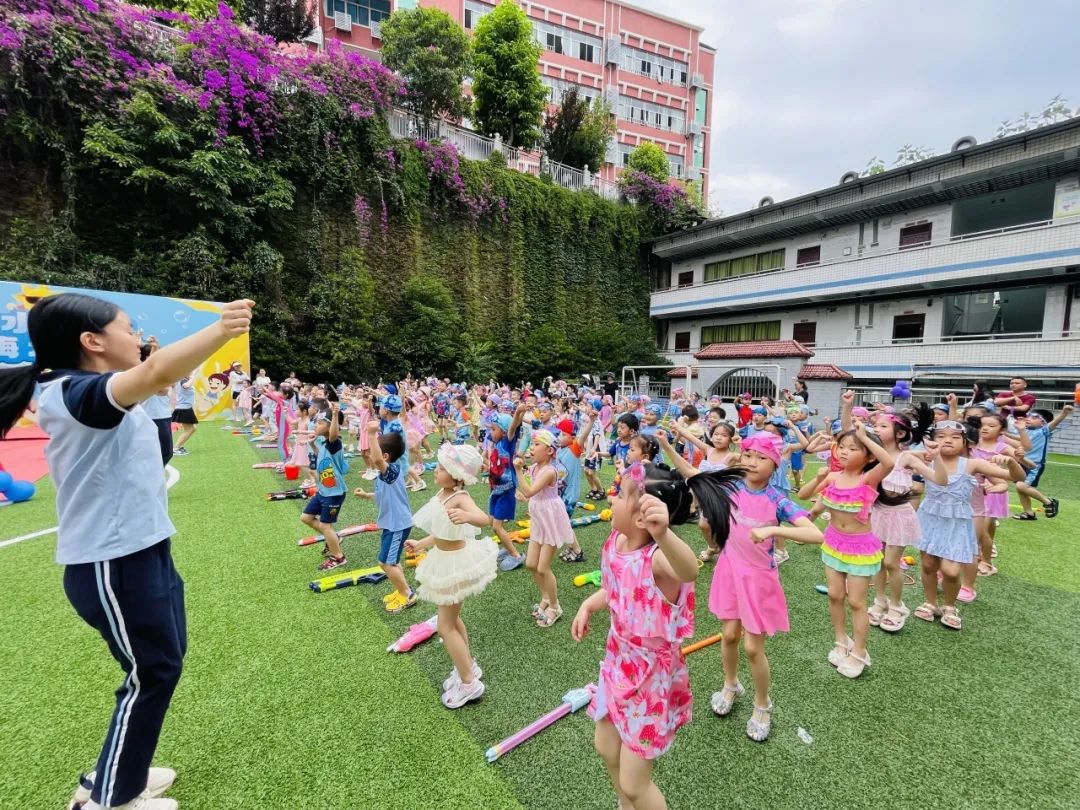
point(731, 479)
point(735, 482)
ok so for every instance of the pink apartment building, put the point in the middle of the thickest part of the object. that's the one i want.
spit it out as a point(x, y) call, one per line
point(653, 71)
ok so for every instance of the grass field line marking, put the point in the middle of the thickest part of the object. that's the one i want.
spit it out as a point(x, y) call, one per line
point(172, 475)
point(1063, 464)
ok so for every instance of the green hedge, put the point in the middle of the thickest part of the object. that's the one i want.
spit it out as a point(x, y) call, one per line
point(367, 257)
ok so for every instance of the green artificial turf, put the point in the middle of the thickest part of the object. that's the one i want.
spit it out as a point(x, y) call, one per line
point(289, 699)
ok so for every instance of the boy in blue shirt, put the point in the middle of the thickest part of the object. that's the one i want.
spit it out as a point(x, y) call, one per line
point(389, 458)
point(568, 456)
point(503, 435)
point(1040, 424)
point(759, 414)
point(321, 512)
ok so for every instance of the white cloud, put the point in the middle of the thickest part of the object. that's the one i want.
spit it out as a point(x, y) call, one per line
point(734, 193)
point(814, 18)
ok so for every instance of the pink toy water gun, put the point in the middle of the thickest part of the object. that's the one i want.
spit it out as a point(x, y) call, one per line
point(346, 532)
point(415, 635)
point(572, 701)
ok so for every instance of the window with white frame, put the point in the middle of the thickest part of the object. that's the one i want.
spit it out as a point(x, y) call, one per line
point(675, 165)
point(651, 114)
point(661, 68)
point(361, 12)
point(559, 39)
point(474, 11)
point(557, 87)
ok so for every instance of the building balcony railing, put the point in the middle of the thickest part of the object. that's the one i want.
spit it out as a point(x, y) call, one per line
point(987, 256)
point(474, 146)
point(889, 356)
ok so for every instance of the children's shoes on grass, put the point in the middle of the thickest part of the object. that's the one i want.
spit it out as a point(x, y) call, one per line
point(332, 562)
point(455, 678)
point(461, 693)
point(723, 700)
point(760, 723)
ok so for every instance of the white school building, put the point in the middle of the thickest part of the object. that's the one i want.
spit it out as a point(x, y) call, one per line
point(958, 268)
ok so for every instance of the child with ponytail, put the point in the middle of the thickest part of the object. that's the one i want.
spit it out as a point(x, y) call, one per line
point(946, 516)
point(893, 518)
point(647, 576)
point(114, 528)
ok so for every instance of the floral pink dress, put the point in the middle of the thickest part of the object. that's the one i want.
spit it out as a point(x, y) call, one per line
point(746, 584)
point(644, 685)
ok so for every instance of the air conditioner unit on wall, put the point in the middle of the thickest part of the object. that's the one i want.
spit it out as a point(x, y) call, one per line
point(342, 21)
point(376, 29)
point(611, 97)
point(612, 51)
point(693, 128)
point(697, 80)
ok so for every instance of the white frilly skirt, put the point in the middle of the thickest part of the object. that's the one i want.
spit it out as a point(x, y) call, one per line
point(448, 577)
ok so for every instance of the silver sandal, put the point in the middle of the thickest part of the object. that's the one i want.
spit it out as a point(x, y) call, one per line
point(759, 732)
point(723, 700)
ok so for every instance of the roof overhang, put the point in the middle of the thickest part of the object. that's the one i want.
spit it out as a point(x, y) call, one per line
point(740, 231)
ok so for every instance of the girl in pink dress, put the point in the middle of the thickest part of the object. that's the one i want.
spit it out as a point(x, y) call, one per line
point(549, 525)
point(646, 580)
point(990, 500)
point(746, 594)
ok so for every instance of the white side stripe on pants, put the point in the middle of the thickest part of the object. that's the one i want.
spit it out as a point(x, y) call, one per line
point(120, 636)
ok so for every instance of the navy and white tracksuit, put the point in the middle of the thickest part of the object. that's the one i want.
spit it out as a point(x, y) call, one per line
point(113, 540)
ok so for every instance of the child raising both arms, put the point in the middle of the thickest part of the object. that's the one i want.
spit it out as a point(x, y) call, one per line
point(114, 528)
point(851, 551)
point(647, 582)
point(946, 517)
point(549, 525)
point(457, 565)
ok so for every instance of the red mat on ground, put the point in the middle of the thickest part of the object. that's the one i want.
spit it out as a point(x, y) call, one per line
point(22, 453)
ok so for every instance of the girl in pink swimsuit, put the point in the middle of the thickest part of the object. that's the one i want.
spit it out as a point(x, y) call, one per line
point(647, 576)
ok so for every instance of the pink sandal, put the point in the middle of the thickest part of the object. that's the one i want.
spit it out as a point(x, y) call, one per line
point(927, 612)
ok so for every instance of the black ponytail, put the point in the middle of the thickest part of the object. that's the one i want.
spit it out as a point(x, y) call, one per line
point(713, 491)
point(55, 325)
point(16, 391)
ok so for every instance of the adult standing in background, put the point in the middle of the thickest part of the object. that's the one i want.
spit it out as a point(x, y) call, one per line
point(802, 391)
point(1018, 402)
point(237, 379)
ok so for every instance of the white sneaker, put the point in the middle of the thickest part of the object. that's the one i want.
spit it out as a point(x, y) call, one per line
point(140, 802)
point(158, 781)
point(455, 679)
point(459, 695)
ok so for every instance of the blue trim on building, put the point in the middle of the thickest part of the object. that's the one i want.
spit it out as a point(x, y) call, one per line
point(825, 285)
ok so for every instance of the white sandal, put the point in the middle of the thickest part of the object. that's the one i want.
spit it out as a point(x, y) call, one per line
point(895, 619)
point(839, 652)
point(759, 732)
point(877, 612)
point(723, 700)
point(849, 670)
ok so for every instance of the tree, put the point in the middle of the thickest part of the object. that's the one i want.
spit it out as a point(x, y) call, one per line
point(431, 51)
point(508, 93)
point(284, 20)
point(650, 159)
point(428, 338)
point(577, 133)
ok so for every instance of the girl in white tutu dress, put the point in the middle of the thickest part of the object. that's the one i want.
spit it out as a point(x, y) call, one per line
point(457, 565)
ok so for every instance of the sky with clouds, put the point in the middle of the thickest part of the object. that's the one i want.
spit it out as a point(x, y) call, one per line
point(806, 90)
